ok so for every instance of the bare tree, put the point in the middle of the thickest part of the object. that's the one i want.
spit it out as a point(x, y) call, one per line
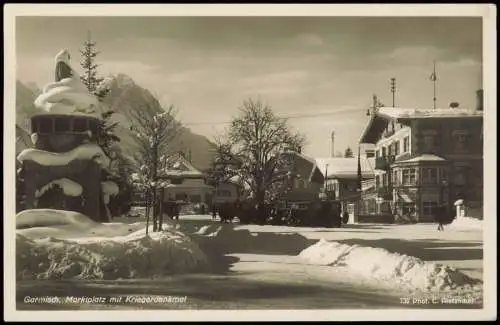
point(153, 133)
point(258, 139)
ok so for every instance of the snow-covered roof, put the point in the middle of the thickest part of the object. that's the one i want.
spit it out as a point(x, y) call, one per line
point(346, 167)
point(425, 157)
point(84, 152)
point(306, 166)
point(181, 168)
point(413, 113)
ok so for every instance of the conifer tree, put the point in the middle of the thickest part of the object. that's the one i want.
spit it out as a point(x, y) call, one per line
point(90, 77)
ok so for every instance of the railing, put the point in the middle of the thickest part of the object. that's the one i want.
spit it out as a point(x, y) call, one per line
point(368, 184)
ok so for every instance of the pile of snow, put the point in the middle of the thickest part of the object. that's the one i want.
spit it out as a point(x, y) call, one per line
point(87, 151)
point(51, 217)
point(55, 244)
point(395, 269)
point(466, 223)
point(67, 94)
point(69, 187)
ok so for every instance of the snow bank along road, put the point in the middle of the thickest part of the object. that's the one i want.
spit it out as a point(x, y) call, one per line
point(266, 272)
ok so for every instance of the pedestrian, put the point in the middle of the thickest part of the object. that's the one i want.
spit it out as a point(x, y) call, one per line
point(345, 216)
point(440, 217)
point(214, 212)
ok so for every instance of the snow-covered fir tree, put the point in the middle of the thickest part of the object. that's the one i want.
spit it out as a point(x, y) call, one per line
point(90, 77)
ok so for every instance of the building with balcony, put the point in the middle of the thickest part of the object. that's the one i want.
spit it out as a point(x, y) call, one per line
point(427, 158)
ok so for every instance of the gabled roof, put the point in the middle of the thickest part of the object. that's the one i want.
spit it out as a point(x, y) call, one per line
point(182, 167)
point(346, 167)
point(423, 158)
point(380, 119)
point(306, 167)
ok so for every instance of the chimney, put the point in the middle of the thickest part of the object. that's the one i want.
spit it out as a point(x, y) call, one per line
point(479, 100)
point(332, 153)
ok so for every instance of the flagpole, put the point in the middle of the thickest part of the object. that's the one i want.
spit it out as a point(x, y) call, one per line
point(434, 78)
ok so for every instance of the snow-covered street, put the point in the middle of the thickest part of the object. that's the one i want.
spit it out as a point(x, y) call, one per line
point(268, 267)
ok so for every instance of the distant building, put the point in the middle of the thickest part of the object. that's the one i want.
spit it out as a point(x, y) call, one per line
point(185, 183)
point(306, 178)
point(426, 158)
point(226, 192)
point(342, 178)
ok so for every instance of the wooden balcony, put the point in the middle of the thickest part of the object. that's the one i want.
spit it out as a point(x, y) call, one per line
point(384, 163)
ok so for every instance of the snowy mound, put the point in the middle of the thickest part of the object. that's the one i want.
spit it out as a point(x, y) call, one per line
point(377, 263)
point(53, 244)
point(88, 151)
point(132, 256)
point(50, 217)
point(466, 223)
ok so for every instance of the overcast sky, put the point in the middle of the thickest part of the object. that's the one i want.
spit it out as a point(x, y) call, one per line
point(323, 66)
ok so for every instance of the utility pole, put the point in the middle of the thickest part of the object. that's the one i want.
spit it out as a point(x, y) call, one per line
point(393, 91)
point(434, 80)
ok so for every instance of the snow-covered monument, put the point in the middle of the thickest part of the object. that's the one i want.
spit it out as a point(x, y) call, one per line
point(66, 169)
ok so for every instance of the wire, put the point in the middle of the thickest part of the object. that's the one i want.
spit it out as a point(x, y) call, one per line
point(297, 116)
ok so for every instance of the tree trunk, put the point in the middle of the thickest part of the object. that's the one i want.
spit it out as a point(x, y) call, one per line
point(160, 216)
point(155, 216)
point(147, 214)
point(260, 200)
point(155, 174)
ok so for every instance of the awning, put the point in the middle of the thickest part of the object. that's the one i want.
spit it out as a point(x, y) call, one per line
point(405, 198)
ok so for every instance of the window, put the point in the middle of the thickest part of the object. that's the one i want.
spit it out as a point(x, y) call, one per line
point(395, 177)
point(429, 208)
point(61, 125)
point(79, 125)
point(461, 141)
point(34, 127)
point(45, 125)
point(377, 181)
point(443, 174)
point(407, 208)
point(429, 175)
point(406, 144)
point(396, 148)
point(460, 176)
point(409, 176)
point(383, 152)
point(389, 150)
point(429, 143)
point(377, 153)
